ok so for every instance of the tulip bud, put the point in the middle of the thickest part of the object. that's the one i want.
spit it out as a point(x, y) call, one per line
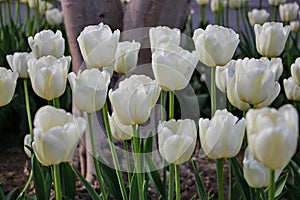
point(18, 63)
point(221, 141)
point(54, 16)
point(56, 135)
point(27, 143)
point(47, 43)
point(276, 2)
point(89, 89)
point(202, 2)
point(119, 130)
point(288, 12)
point(258, 16)
point(294, 26)
point(273, 135)
point(173, 67)
point(271, 38)
point(222, 74)
point(177, 140)
point(235, 4)
point(291, 89)
point(295, 70)
point(215, 45)
point(44, 6)
point(8, 82)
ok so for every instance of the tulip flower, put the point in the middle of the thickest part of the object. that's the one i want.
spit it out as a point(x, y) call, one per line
point(295, 70)
point(44, 6)
point(255, 173)
point(222, 75)
point(54, 16)
point(8, 82)
point(258, 16)
point(177, 140)
point(235, 4)
point(253, 82)
point(27, 143)
point(288, 12)
point(202, 2)
point(119, 130)
point(276, 2)
point(163, 34)
point(222, 136)
point(98, 45)
point(294, 26)
point(48, 76)
point(215, 45)
point(18, 63)
point(56, 135)
point(89, 89)
point(173, 67)
point(273, 135)
point(214, 5)
point(271, 38)
point(133, 100)
point(126, 56)
point(291, 89)
point(47, 43)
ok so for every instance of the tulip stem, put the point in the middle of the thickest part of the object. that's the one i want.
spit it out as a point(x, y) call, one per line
point(27, 185)
point(272, 184)
point(127, 161)
point(177, 182)
point(238, 21)
point(219, 164)
point(260, 4)
point(275, 13)
point(162, 102)
point(56, 178)
point(171, 105)
point(137, 153)
point(95, 157)
point(56, 103)
point(171, 182)
point(114, 153)
point(213, 91)
point(27, 103)
point(202, 8)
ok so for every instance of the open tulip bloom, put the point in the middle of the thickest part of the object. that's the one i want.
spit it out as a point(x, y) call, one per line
point(8, 82)
point(18, 63)
point(292, 84)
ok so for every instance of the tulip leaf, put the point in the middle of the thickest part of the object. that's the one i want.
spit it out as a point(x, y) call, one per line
point(92, 192)
point(39, 180)
point(148, 143)
point(200, 186)
point(12, 195)
point(1, 192)
point(134, 193)
point(68, 182)
point(279, 186)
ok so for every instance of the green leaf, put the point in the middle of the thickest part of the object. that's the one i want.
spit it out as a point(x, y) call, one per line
point(12, 195)
point(1, 192)
point(134, 193)
point(200, 186)
point(148, 144)
point(93, 194)
point(68, 182)
point(39, 180)
point(279, 186)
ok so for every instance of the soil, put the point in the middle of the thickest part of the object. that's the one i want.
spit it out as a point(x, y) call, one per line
point(15, 169)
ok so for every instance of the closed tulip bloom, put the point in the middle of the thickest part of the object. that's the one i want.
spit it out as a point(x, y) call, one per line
point(98, 45)
point(257, 16)
point(177, 140)
point(133, 100)
point(8, 82)
point(271, 38)
point(173, 67)
point(54, 16)
point(273, 135)
point(291, 89)
point(119, 130)
point(222, 136)
point(295, 70)
point(214, 5)
point(276, 67)
point(202, 2)
point(289, 11)
point(276, 2)
point(294, 26)
point(48, 76)
point(89, 89)
point(255, 173)
point(44, 6)
point(126, 56)
point(222, 74)
point(56, 135)
point(252, 83)
point(33, 3)
point(18, 63)
point(215, 45)
point(235, 4)
point(163, 34)
point(27, 143)
point(47, 43)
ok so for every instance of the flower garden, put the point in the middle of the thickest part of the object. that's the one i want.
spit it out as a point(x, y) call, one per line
point(223, 92)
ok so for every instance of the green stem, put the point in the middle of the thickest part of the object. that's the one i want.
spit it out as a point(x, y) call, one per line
point(171, 105)
point(114, 153)
point(177, 182)
point(238, 21)
point(137, 151)
point(27, 20)
point(220, 11)
point(95, 156)
point(260, 4)
point(56, 103)
point(219, 164)
point(57, 186)
point(27, 103)
point(227, 16)
point(202, 9)
point(127, 161)
point(162, 103)
point(171, 182)
point(275, 13)
point(17, 12)
point(213, 91)
point(258, 192)
point(27, 185)
point(288, 52)
point(272, 184)
point(10, 20)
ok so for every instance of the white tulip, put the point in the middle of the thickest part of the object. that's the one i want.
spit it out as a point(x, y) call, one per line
point(44, 6)
point(214, 5)
point(289, 11)
point(119, 130)
point(177, 140)
point(173, 67)
point(47, 43)
point(56, 135)
point(54, 16)
point(273, 135)
point(27, 143)
point(133, 100)
point(126, 56)
point(291, 89)
point(271, 38)
point(215, 45)
point(89, 89)
point(222, 136)
point(294, 26)
point(48, 76)
point(256, 16)
point(202, 2)
point(222, 75)
point(8, 82)
point(295, 70)
point(18, 63)
point(235, 4)
point(276, 2)
point(98, 45)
